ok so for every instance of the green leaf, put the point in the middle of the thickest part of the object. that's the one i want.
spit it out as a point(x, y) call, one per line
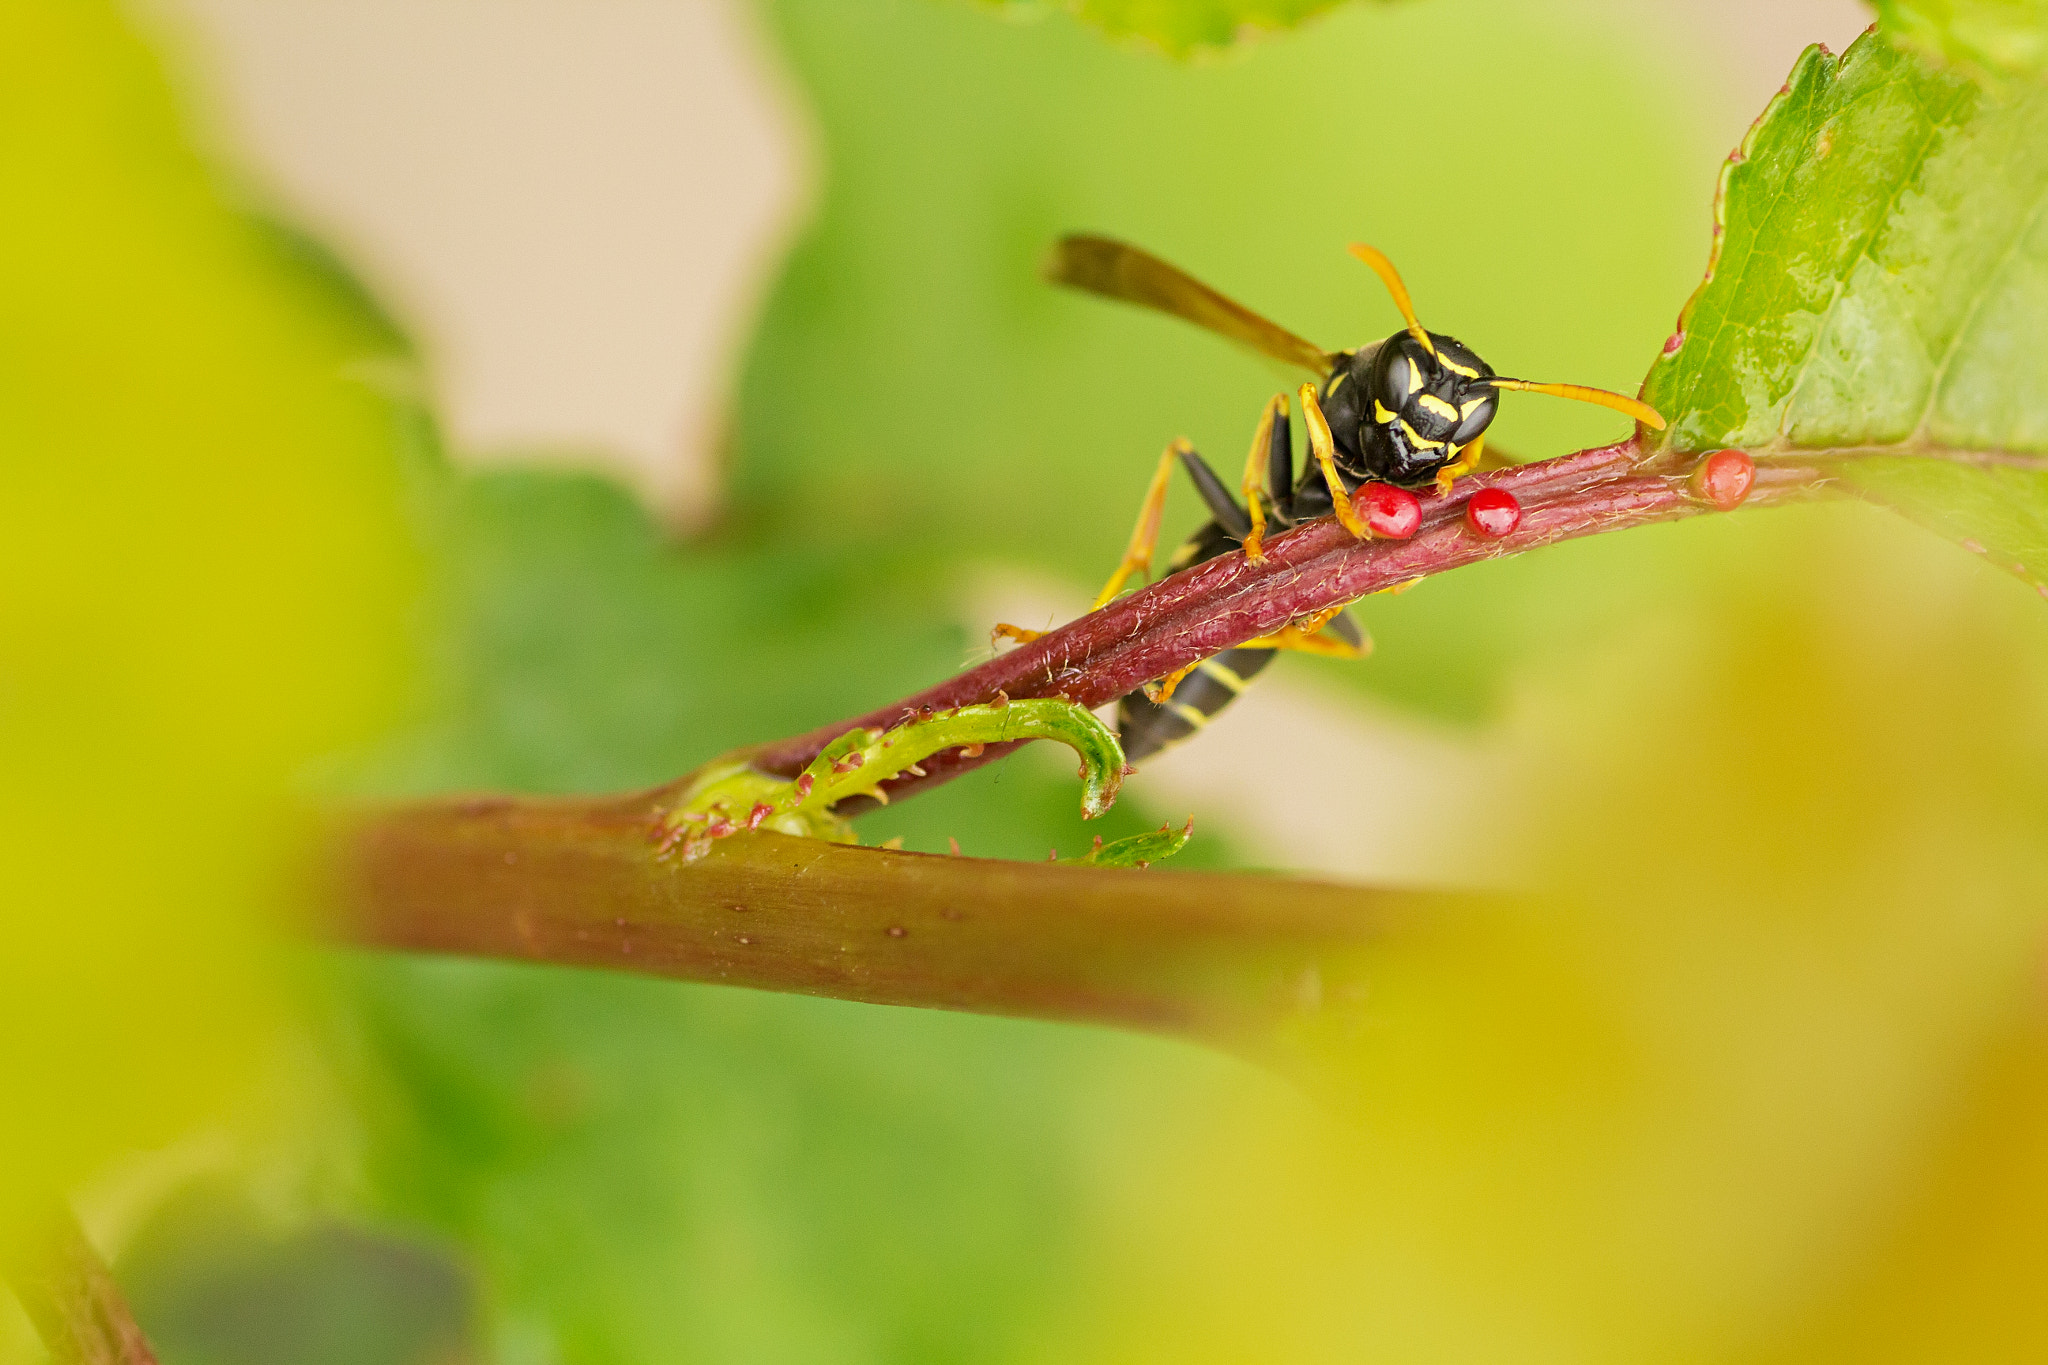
point(1181, 27)
point(1139, 850)
point(1879, 286)
point(2004, 35)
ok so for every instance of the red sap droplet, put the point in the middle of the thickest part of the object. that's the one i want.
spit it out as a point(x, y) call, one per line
point(1493, 512)
point(1724, 478)
point(1391, 512)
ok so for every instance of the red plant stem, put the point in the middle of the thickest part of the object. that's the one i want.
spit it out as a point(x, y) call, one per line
point(70, 1295)
point(1225, 958)
point(1228, 600)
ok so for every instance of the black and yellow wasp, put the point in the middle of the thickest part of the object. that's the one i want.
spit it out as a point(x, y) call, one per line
point(1410, 411)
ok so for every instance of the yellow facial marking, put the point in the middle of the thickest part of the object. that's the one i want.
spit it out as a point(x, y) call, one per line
point(1455, 368)
point(1337, 383)
point(1380, 413)
point(1429, 402)
point(1414, 378)
point(1472, 405)
point(1417, 441)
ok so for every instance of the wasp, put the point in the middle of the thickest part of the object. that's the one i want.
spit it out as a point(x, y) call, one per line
point(1410, 411)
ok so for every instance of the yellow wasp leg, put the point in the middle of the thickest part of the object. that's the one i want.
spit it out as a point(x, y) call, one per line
point(1144, 535)
point(1137, 554)
point(1467, 461)
point(1255, 477)
point(1306, 636)
point(1326, 456)
point(1162, 691)
point(1023, 635)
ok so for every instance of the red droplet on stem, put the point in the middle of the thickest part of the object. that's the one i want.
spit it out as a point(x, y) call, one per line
point(1724, 478)
point(1493, 512)
point(1390, 512)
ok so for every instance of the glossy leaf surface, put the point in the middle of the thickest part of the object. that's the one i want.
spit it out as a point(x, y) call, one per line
point(1879, 284)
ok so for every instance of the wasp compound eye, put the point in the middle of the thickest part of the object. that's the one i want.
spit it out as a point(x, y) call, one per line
point(1476, 408)
point(1398, 380)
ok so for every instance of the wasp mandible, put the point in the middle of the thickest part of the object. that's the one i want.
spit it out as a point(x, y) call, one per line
point(1410, 411)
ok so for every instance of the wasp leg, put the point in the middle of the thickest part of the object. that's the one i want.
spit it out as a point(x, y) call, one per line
point(1329, 633)
point(1325, 449)
point(1144, 535)
point(1272, 425)
point(1003, 630)
point(1160, 692)
point(1467, 461)
point(1137, 554)
point(1231, 519)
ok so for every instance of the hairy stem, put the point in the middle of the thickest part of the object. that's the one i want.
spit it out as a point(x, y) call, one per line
point(590, 882)
point(1228, 600)
point(70, 1295)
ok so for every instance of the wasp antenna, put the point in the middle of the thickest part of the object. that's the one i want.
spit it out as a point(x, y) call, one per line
point(1391, 278)
point(1634, 407)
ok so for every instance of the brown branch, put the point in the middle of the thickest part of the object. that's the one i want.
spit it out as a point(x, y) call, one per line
point(582, 882)
point(70, 1295)
point(579, 883)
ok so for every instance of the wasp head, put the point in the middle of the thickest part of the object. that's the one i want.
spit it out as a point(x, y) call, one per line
point(1428, 403)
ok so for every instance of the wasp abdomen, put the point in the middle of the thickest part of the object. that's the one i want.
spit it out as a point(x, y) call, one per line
point(1146, 727)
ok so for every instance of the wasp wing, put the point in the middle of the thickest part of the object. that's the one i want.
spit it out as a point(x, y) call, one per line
point(1117, 270)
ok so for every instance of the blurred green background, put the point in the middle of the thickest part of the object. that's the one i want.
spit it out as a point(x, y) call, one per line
point(1781, 1038)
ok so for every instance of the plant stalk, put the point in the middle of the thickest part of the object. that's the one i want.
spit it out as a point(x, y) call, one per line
point(70, 1295)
